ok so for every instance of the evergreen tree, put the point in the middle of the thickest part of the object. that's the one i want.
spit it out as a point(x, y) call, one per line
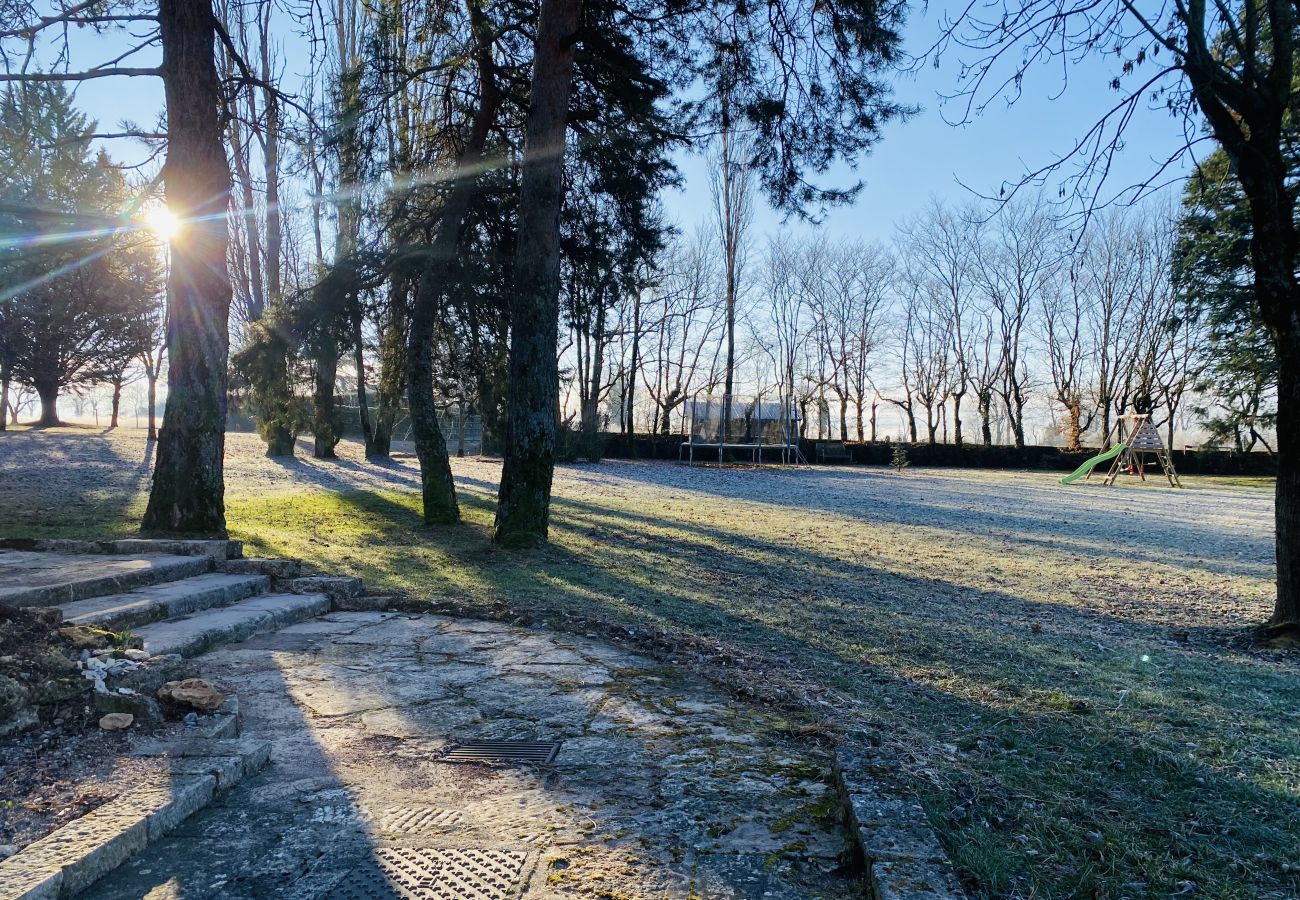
point(75, 280)
point(898, 459)
point(1213, 271)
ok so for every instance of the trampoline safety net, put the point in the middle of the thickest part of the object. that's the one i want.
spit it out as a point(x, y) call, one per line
point(753, 423)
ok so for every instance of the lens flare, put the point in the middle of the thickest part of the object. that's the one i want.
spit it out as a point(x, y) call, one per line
point(163, 223)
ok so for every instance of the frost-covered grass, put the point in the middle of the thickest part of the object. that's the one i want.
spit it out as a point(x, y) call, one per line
point(1063, 670)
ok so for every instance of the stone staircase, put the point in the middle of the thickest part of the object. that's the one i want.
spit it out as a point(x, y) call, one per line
point(182, 597)
point(176, 598)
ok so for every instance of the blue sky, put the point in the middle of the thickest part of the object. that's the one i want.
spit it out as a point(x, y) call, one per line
point(927, 156)
point(917, 159)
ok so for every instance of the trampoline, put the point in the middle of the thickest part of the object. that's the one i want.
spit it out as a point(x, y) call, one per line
point(712, 427)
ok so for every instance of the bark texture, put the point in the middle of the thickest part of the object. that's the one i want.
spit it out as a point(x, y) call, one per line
point(48, 392)
point(523, 504)
point(188, 493)
point(392, 370)
point(439, 490)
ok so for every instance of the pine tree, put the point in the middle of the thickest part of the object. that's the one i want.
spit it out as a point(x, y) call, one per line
point(899, 458)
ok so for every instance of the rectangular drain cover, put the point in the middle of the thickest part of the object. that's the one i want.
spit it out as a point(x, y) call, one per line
point(392, 873)
point(542, 752)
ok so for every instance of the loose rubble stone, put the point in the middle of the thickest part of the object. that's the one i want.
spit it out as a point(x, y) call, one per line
point(153, 673)
point(145, 709)
point(13, 698)
point(116, 721)
point(192, 693)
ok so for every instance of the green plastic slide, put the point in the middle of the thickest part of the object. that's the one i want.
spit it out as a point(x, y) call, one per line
point(1092, 464)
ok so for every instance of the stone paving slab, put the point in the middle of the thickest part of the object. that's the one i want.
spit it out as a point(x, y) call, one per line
point(663, 787)
point(33, 578)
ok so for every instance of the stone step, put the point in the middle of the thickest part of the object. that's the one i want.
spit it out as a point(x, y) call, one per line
point(69, 860)
point(49, 578)
point(163, 601)
point(276, 568)
point(198, 633)
point(338, 587)
point(214, 549)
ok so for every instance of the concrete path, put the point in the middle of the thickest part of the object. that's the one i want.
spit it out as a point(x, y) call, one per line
point(662, 786)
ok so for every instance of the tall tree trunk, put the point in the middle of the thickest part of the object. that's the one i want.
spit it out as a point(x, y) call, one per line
point(1286, 610)
point(4, 398)
point(1273, 251)
point(956, 418)
point(325, 424)
point(437, 485)
point(633, 366)
point(359, 360)
point(392, 370)
point(523, 503)
point(153, 404)
point(117, 402)
point(591, 404)
point(188, 494)
point(48, 392)
point(1018, 420)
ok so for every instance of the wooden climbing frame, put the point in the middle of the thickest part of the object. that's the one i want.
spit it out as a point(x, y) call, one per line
point(1140, 437)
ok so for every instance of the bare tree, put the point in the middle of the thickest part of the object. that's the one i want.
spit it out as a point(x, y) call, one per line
point(1232, 64)
point(685, 319)
point(847, 284)
point(1070, 357)
point(1017, 260)
point(941, 247)
point(732, 183)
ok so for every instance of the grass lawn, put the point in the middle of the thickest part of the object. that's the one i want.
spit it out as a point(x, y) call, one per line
point(1062, 671)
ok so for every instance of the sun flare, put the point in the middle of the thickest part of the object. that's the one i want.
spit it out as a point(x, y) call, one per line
point(163, 223)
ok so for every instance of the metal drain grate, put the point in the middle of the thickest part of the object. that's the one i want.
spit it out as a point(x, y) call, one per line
point(415, 874)
point(392, 819)
point(416, 818)
point(542, 752)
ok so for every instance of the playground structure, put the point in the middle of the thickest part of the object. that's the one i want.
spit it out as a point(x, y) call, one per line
point(712, 426)
point(1135, 436)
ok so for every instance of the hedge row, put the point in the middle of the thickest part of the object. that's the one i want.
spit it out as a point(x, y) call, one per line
point(970, 456)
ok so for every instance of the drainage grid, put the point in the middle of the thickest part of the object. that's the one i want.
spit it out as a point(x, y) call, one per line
point(538, 752)
point(392, 873)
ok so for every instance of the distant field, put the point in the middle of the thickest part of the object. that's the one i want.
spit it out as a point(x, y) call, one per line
point(1063, 670)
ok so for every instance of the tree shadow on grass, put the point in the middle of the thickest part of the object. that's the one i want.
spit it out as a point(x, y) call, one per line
point(49, 488)
point(1053, 735)
point(1043, 515)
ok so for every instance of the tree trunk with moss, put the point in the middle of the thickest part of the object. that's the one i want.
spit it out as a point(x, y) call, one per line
point(391, 381)
point(438, 487)
point(524, 500)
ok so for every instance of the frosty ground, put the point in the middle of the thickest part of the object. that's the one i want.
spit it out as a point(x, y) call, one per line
point(1064, 672)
